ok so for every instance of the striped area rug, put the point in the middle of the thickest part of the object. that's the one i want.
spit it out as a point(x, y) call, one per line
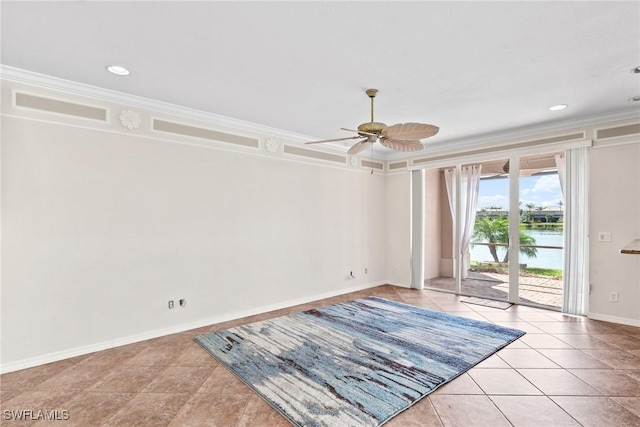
point(357, 363)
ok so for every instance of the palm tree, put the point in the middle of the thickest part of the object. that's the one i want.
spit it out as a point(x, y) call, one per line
point(496, 231)
point(530, 207)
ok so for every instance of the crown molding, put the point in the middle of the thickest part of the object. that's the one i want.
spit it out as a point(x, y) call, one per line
point(18, 75)
point(443, 147)
point(44, 81)
point(501, 137)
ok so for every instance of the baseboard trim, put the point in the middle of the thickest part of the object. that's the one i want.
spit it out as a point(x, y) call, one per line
point(105, 345)
point(400, 285)
point(614, 319)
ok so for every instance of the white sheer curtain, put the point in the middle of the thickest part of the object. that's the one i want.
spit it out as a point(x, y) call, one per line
point(469, 188)
point(574, 178)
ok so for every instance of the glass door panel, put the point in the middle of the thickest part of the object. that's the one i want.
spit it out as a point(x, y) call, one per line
point(541, 232)
point(484, 235)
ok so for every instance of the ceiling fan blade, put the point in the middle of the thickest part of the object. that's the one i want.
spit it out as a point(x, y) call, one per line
point(360, 132)
point(361, 145)
point(409, 131)
point(331, 140)
point(402, 145)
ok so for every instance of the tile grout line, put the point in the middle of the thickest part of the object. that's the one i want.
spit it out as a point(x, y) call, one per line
point(602, 394)
point(537, 388)
point(435, 411)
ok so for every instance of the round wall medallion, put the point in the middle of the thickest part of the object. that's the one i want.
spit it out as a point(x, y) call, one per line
point(130, 119)
point(270, 145)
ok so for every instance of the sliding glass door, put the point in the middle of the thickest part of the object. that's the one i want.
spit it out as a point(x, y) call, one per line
point(540, 278)
point(494, 229)
point(485, 245)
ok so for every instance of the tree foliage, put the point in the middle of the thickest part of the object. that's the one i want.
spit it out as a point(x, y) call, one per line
point(495, 232)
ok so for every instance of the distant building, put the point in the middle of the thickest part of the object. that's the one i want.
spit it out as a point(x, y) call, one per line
point(525, 215)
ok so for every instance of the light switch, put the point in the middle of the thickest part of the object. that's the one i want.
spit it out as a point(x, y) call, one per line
point(604, 236)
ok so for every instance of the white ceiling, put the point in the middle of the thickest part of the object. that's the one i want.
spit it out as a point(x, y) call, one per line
point(471, 68)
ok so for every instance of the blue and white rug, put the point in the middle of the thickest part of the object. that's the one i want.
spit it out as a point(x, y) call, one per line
point(357, 363)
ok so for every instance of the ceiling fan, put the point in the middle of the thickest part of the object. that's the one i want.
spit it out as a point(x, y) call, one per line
point(400, 137)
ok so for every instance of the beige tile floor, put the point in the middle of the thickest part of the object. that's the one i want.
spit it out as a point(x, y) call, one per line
point(566, 371)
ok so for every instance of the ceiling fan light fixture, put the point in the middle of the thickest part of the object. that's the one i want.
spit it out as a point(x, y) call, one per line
point(118, 70)
point(558, 107)
point(399, 137)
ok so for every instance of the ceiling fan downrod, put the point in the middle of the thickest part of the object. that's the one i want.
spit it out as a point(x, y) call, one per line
point(371, 128)
point(372, 94)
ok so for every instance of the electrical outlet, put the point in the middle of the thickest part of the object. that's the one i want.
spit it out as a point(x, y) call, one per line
point(170, 304)
point(604, 236)
point(366, 271)
point(614, 297)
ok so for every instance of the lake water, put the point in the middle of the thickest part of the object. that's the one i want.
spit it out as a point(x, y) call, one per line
point(547, 258)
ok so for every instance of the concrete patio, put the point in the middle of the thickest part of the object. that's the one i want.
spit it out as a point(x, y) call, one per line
point(539, 291)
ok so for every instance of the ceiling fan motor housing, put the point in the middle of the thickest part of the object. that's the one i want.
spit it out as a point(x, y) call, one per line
point(371, 127)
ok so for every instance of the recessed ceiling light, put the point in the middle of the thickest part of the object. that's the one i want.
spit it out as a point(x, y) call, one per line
point(558, 107)
point(636, 70)
point(117, 69)
point(634, 98)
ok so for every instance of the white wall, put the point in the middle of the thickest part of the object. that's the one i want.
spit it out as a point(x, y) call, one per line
point(101, 229)
point(615, 208)
point(398, 214)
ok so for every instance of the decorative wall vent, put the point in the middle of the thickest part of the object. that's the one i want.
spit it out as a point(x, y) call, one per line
point(290, 149)
point(198, 132)
point(426, 159)
point(618, 131)
point(562, 138)
point(374, 165)
point(398, 165)
point(60, 107)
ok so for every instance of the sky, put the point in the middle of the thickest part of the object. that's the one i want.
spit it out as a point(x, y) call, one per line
point(543, 190)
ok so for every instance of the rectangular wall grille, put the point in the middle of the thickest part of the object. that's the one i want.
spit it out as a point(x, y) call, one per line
point(398, 165)
point(374, 165)
point(198, 132)
point(619, 131)
point(290, 149)
point(61, 107)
